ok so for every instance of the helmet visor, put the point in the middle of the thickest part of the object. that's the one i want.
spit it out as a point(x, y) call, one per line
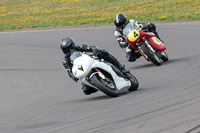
point(67, 50)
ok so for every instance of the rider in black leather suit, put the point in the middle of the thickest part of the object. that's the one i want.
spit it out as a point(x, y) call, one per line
point(68, 47)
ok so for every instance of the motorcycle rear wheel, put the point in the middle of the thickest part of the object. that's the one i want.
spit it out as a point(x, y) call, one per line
point(110, 89)
point(164, 56)
point(153, 57)
point(134, 83)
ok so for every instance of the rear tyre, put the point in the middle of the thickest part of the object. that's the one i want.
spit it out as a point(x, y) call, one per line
point(164, 56)
point(134, 83)
point(106, 86)
point(152, 56)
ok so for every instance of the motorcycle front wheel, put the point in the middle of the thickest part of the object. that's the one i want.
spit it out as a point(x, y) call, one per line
point(106, 85)
point(152, 56)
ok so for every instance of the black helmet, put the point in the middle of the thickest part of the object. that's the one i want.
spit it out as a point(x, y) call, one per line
point(66, 44)
point(120, 20)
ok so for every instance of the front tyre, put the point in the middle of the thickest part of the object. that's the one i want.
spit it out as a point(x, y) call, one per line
point(152, 56)
point(106, 85)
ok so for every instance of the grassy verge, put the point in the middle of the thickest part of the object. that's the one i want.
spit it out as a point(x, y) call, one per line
point(16, 14)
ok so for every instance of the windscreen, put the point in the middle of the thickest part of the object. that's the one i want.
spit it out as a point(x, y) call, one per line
point(127, 29)
point(75, 55)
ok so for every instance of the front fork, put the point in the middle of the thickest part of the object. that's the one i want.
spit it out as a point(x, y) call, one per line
point(97, 72)
point(141, 52)
point(147, 44)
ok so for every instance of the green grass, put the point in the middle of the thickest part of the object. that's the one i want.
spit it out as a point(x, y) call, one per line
point(16, 14)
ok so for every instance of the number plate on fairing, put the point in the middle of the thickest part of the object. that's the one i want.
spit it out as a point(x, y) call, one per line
point(133, 35)
point(155, 39)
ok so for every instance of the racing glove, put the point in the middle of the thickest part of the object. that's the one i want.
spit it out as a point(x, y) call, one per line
point(72, 76)
point(96, 51)
point(144, 26)
point(122, 42)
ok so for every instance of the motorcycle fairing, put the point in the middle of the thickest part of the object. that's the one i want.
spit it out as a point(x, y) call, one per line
point(81, 68)
point(156, 43)
point(87, 63)
point(138, 34)
point(133, 37)
point(120, 82)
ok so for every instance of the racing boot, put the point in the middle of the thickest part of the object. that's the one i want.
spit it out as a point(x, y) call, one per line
point(115, 62)
point(119, 66)
point(152, 28)
point(130, 57)
point(87, 90)
point(137, 54)
point(111, 59)
point(156, 33)
point(131, 54)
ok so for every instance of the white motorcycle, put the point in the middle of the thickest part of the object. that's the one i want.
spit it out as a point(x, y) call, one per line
point(101, 75)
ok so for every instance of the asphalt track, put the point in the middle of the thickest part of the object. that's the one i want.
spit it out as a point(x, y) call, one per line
point(37, 96)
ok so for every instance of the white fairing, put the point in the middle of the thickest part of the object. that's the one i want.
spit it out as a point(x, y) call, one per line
point(84, 64)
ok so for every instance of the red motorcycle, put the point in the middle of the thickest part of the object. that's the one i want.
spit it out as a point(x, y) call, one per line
point(149, 46)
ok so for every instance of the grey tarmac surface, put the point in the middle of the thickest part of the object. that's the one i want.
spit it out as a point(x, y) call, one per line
point(37, 96)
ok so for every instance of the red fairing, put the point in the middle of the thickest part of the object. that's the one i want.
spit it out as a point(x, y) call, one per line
point(141, 35)
point(156, 43)
point(132, 43)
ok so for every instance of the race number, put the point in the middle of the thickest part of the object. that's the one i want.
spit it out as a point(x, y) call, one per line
point(156, 40)
point(133, 35)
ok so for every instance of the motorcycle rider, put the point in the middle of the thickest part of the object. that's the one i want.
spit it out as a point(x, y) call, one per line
point(120, 22)
point(68, 47)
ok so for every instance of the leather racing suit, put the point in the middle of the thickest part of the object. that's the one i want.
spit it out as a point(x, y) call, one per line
point(102, 54)
point(120, 36)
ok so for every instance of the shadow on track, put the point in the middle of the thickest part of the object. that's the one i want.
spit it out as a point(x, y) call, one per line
point(105, 97)
point(151, 65)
